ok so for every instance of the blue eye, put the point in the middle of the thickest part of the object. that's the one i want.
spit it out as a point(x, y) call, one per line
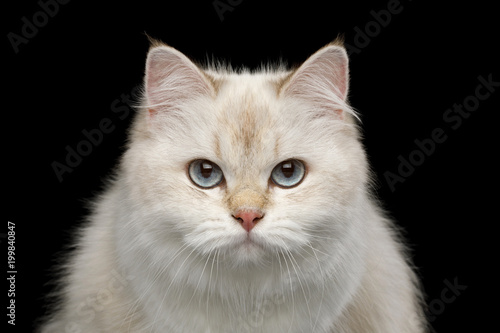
point(205, 174)
point(288, 173)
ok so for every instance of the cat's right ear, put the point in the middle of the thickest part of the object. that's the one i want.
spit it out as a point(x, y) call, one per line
point(171, 78)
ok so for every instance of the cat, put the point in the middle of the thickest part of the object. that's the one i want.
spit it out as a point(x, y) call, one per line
point(241, 204)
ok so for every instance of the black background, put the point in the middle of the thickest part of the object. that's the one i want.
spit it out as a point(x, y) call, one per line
point(66, 77)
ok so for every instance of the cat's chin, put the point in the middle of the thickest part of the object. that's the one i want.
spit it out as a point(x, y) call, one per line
point(249, 252)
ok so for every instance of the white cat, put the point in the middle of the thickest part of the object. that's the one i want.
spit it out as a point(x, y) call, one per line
point(242, 204)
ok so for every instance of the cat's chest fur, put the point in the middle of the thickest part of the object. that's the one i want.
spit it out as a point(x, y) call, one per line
point(274, 313)
point(290, 300)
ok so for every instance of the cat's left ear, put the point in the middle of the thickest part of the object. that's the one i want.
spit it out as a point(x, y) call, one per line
point(323, 78)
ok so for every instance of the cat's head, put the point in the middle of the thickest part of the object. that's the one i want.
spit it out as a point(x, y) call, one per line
point(246, 165)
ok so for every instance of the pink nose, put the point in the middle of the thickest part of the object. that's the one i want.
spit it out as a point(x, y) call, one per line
point(248, 218)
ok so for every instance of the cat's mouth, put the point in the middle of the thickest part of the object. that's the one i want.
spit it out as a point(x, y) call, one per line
point(249, 248)
point(249, 242)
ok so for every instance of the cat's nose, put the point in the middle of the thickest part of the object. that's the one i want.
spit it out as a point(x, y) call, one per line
point(248, 218)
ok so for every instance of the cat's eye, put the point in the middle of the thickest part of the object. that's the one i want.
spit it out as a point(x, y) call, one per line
point(288, 173)
point(205, 174)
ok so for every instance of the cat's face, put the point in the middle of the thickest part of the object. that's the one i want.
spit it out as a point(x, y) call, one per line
point(246, 166)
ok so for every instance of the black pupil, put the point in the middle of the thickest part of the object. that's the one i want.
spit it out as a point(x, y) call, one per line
point(287, 168)
point(206, 169)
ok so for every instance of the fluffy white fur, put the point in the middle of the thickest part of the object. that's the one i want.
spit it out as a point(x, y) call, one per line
point(160, 254)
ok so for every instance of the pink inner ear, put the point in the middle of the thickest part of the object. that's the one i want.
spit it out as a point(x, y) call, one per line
point(340, 79)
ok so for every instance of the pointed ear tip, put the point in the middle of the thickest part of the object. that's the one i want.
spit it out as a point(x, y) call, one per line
point(337, 48)
point(334, 52)
point(154, 42)
point(337, 43)
point(161, 51)
point(156, 47)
